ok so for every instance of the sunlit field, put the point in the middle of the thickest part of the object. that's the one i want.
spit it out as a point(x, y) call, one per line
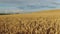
point(32, 23)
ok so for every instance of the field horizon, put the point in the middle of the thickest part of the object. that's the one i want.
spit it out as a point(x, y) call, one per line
point(44, 22)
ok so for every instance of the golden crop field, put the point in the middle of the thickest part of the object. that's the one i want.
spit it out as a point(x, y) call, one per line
point(47, 22)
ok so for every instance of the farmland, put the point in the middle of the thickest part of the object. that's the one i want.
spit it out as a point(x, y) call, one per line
point(32, 23)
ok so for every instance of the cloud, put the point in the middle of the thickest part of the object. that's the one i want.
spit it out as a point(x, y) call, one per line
point(30, 4)
point(18, 1)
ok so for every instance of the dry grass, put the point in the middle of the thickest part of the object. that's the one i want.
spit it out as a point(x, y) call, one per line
point(35, 23)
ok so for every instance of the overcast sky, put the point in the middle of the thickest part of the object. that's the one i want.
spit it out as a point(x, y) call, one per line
point(29, 4)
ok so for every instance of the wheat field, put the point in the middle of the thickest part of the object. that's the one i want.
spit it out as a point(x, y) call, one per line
point(47, 22)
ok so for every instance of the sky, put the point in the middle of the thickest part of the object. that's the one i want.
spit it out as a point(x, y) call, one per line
point(28, 5)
